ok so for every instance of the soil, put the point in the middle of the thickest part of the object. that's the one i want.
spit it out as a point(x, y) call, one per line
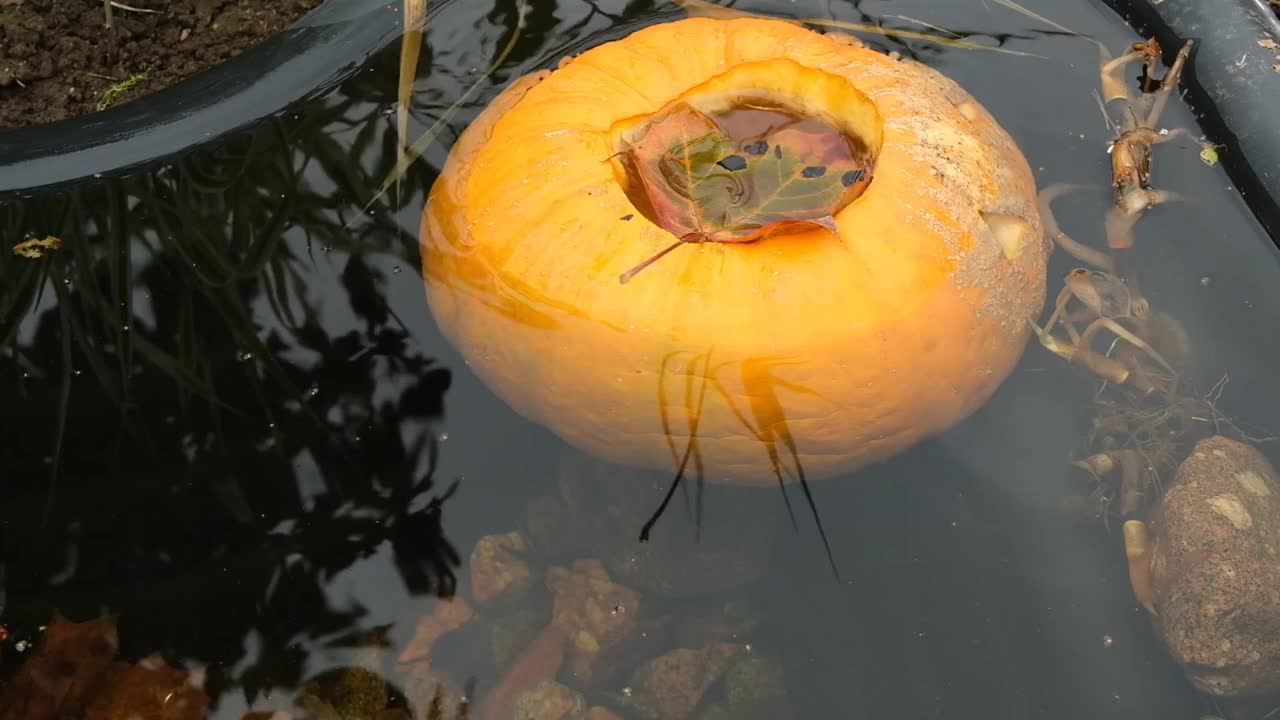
point(58, 60)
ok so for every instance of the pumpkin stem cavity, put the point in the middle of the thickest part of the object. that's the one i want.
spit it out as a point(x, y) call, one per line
point(741, 165)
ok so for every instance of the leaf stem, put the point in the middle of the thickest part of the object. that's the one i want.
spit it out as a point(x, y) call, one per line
point(626, 276)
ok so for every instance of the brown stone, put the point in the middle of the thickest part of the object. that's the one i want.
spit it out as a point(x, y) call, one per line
point(1216, 569)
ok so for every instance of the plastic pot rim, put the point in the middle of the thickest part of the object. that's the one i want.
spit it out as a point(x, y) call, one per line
point(305, 59)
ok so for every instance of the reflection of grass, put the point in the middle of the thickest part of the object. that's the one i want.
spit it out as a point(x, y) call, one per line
point(406, 156)
point(769, 429)
point(951, 38)
point(165, 385)
point(415, 16)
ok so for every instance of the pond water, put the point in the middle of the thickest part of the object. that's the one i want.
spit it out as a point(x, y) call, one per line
point(229, 420)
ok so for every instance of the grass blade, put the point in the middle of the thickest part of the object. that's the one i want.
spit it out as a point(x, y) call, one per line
point(415, 17)
point(428, 137)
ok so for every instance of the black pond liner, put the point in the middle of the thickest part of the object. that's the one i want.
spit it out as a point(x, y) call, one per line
point(304, 60)
point(1231, 81)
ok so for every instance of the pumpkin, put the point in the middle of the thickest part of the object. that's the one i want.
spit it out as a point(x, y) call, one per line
point(800, 339)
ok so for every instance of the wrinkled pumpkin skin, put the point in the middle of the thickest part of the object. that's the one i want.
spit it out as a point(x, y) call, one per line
point(846, 349)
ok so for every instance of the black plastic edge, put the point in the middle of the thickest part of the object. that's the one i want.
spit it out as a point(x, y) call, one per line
point(311, 55)
point(1232, 81)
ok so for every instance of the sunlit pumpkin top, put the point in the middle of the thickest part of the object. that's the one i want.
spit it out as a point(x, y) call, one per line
point(858, 250)
point(742, 157)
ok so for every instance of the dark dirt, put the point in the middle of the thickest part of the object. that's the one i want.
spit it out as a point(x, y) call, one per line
point(58, 60)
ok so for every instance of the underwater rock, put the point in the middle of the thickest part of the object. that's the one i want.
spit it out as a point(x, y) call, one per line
point(595, 612)
point(347, 693)
point(1216, 569)
point(611, 503)
point(671, 687)
point(433, 693)
point(513, 632)
point(352, 692)
point(549, 700)
point(731, 621)
point(755, 689)
point(540, 661)
point(498, 568)
point(446, 615)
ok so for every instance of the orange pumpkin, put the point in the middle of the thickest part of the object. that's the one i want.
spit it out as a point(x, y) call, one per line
point(814, 350)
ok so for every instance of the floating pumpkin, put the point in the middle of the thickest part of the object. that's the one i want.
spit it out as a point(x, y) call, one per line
point(849, 250)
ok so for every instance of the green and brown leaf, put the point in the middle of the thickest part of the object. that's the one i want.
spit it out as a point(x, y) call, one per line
point(704, 182)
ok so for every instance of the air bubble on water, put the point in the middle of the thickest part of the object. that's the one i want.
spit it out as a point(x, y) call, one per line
point(1206, 281)
point(626, 691)
point(313, 391)
point(21, 646)
point(444, 436)
point(396, 269)
point(1107, 641)
point(125, 327)
point(244, 356)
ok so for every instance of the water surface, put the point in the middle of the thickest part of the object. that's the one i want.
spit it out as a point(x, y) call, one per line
point(229, 419)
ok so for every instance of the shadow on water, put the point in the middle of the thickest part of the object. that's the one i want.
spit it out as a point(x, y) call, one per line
point(224, 409)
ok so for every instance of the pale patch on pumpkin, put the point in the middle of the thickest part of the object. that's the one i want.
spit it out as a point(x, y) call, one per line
point(1230, 507)
point(1009, 231)
point(970, 110)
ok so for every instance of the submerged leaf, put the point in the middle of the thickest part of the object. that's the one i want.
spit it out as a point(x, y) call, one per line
point(58, 680)
point(706, 182)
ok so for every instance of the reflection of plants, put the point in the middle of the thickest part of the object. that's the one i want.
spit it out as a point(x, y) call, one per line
point(769, 429)
point(415, 11)
point(875, 25)
point(185, 442)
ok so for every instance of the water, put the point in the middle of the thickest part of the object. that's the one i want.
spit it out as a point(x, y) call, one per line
point(318, 496)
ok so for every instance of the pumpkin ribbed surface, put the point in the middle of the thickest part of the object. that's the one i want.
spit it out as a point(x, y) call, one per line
point(809, 349)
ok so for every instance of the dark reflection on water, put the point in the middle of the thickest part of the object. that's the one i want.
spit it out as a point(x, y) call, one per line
point(228, 418)
point(189, 439)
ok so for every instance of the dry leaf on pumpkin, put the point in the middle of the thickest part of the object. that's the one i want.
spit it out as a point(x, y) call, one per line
point(708, 184)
